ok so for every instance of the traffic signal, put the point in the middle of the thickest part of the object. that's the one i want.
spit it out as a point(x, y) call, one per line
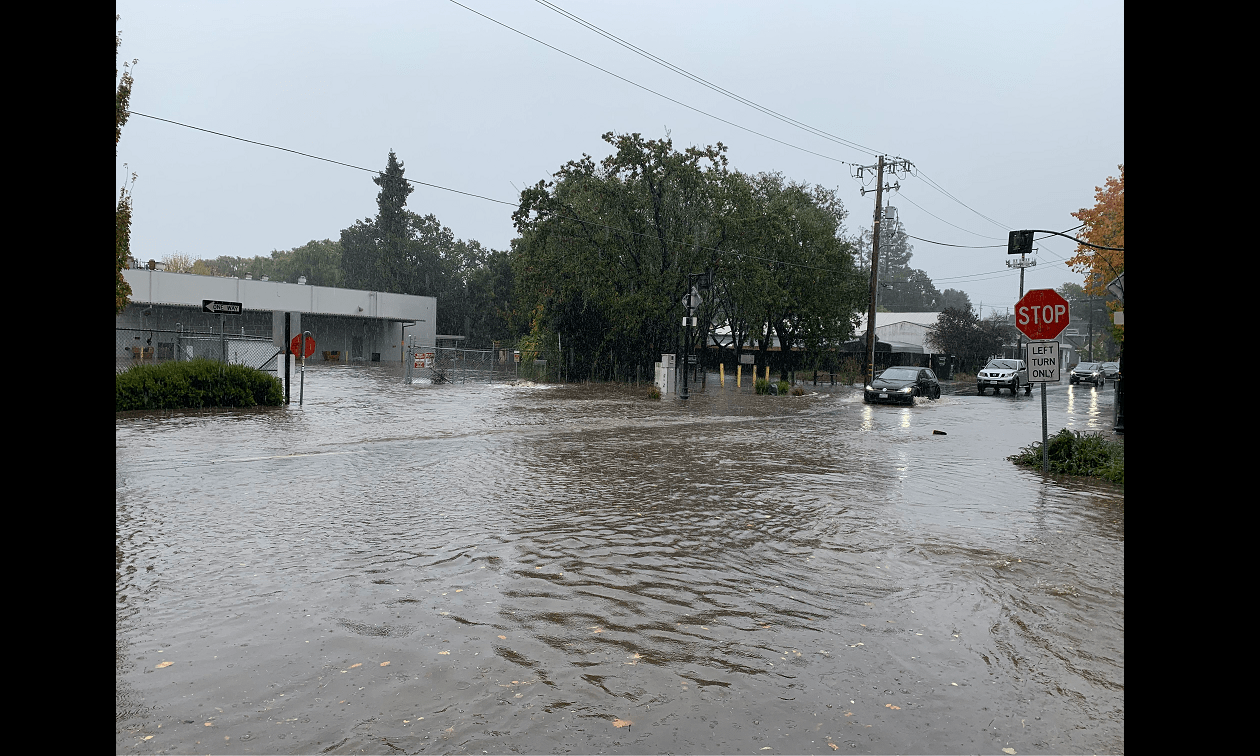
point(1019, 243)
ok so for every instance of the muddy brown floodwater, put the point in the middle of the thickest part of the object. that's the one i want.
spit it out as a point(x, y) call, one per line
point(545, 569)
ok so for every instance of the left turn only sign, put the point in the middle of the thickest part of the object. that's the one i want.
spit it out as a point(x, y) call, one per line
point(295, 346)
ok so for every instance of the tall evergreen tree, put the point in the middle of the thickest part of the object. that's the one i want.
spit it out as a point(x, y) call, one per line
point(392, 225)
point(374, 251)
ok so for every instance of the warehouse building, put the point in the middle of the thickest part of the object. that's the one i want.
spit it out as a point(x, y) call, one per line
point(166, 317)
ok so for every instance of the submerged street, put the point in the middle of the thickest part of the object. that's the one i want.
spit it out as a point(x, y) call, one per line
point(548, 568)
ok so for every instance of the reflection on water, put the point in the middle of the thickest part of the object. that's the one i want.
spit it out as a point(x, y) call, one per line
point(519, 566)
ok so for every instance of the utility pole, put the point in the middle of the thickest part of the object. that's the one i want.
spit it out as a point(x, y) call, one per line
point(868, 369)
point(1022, 263)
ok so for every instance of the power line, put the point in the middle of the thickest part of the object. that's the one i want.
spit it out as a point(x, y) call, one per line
point(932, 183)
point(559, 216)
point(317, 157)
point(942, 220)
point(964, 246)
point(653, 91)
point(693, 77)
point(488, 199)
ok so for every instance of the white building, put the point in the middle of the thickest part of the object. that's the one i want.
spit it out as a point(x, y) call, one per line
point(348, 325)
point(905, 329)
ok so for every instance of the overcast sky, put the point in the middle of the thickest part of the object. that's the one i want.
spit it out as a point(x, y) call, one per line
point(1016, 109)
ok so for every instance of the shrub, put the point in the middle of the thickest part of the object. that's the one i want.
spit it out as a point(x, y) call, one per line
point(654, 393)
point(797, 391)
point(761, 386)
point(1075, 453)
point(197, 383)
point(784, 387)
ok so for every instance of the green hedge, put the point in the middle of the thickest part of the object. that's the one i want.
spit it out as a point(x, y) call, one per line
point(1076, 453)
point(195, 384)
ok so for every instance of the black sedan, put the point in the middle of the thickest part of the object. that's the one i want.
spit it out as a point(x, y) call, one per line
point(901, 385)
point(1111, 370)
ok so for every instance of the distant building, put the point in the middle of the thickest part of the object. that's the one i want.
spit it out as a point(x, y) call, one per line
point(907, 330)
point(348, 325)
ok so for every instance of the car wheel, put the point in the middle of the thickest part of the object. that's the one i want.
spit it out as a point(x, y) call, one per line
point(980, 390)
point(936, 392)
point(1015, 387)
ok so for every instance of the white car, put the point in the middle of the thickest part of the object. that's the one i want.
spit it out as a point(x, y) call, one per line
point(1000, 374)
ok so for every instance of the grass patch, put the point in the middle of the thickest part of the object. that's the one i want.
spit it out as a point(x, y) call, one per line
point(195, 384)
point(654, 393)
point(1075, 453)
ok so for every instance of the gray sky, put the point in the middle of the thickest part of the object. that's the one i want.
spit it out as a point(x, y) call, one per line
point(1015, 109)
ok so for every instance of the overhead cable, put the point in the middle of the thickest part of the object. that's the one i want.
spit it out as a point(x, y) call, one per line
point(693, 77)
point(653, 91)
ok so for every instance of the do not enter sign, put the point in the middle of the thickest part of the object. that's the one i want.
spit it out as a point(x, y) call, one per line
point(295, 346)
point(1042, 314)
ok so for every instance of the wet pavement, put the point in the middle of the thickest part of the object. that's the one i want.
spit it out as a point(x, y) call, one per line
point(550, 569)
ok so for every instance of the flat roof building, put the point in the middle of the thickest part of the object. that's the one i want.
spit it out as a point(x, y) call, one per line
point(348, 325)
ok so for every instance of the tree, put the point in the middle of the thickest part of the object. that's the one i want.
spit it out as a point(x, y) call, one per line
point(374, 251)
point(956, 299)
point(605, 251)
point(178, 262)
point(1104, 226)
point(122, 227)
point(912, 289)
point(962, 334)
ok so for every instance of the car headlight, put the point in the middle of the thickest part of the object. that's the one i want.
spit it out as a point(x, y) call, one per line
point(868, 387)
point(907, 389)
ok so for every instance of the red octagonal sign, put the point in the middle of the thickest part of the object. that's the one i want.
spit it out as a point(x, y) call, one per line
point(1042, 314)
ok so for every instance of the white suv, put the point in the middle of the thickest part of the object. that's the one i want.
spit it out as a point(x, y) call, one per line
point(1000, 374)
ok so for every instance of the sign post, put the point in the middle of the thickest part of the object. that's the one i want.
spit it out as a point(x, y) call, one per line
point(1041, 315)
point(306, 349)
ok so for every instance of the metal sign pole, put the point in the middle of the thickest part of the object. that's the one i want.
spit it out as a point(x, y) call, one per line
point(1045, 452)
point(302, 386)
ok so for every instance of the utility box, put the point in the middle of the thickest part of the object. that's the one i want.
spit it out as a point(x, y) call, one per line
point(665, 374)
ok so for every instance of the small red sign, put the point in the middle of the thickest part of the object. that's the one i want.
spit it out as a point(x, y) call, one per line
point(295, 346)
point(1041, 314)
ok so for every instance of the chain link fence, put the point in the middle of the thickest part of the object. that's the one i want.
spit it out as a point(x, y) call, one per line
point(149, 347)
point(439, 365)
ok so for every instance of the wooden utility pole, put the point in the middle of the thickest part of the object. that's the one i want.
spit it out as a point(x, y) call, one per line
point(869, 371)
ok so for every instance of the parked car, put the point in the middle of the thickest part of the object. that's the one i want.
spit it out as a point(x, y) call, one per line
point(902, 384)
point(1111, 370)
point(1088, 372)
point(1000, 374)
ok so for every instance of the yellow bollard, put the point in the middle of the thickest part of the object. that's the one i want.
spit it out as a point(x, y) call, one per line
point(739, 372)
point(767, 373)
point(722, 374)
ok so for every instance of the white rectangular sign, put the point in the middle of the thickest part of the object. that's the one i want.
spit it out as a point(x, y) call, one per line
point(1043, 362)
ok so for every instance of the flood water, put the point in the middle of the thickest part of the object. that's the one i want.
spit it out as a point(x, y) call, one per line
point(544, 569)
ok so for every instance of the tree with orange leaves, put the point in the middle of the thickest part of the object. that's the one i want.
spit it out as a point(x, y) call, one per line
point(1104, 226)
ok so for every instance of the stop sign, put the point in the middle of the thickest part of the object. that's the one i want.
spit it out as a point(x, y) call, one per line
point(1042, 314)
point(295, 346)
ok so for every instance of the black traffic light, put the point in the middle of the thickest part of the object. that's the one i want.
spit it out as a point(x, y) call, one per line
point(1019, 243)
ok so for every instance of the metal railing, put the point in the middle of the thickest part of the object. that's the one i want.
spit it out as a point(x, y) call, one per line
point(135, 346)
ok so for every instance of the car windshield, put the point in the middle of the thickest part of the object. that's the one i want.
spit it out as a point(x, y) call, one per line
point(1002, 365)
point(1111, 364)
point(899, 374)
point(1087, 366)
